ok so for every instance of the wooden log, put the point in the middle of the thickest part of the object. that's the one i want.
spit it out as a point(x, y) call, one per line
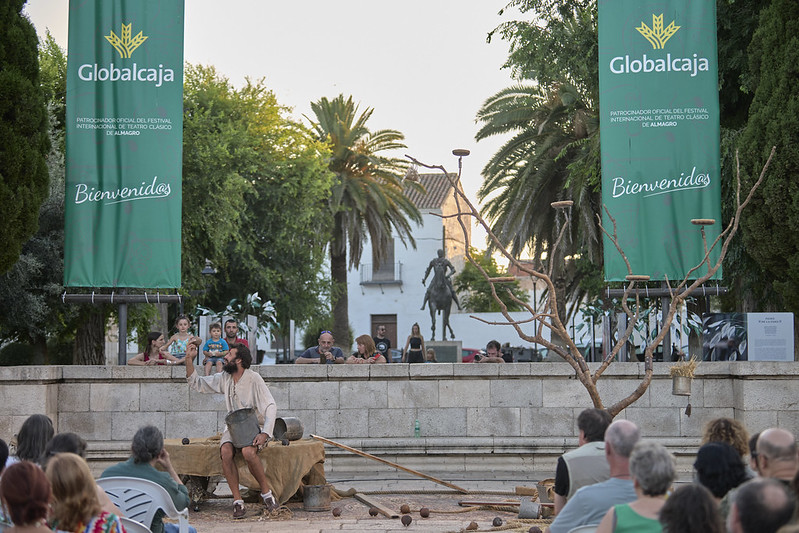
point(372, 502)
point(476, 503)
point(389, 463)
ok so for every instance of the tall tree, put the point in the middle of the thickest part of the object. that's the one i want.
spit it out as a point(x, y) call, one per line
point(367, 198)
point(23, 132)
point(769, 229)
point(267, 235)
point(552, 155)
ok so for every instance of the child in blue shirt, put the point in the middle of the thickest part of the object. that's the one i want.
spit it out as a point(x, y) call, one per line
point(215, 349)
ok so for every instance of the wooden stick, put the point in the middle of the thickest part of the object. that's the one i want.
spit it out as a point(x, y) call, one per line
point(382, 509)
point(473, 503)
point(389, 463)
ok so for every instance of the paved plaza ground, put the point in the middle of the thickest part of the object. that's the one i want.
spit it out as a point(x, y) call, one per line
point(390, 489)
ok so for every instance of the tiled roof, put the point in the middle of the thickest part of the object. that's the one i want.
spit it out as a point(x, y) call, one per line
point(438, 190)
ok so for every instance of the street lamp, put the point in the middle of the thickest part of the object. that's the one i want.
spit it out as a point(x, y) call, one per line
point(460, 153)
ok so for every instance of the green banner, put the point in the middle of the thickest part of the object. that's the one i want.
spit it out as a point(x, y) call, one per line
point(659, 127)
point(124, 144)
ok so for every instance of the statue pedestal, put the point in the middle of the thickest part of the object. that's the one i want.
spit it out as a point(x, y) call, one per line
point(446, 351)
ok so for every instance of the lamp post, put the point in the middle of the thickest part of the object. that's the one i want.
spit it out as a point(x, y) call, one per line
point(460, 153)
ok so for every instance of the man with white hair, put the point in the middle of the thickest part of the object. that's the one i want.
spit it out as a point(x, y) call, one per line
point(590, 503)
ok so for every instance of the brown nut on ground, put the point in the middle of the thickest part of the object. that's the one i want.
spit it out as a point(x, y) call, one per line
point(424, 512)
point(405, 509)
point(472, 526)
point(497, 522)
point(535, 529)
point(406, 520)
point(373, 511)
point(336, 511)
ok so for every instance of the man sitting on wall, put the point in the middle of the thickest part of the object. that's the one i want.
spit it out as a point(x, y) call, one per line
point(325, 349)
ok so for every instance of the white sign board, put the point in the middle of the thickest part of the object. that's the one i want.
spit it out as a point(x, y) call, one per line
point(770, 336)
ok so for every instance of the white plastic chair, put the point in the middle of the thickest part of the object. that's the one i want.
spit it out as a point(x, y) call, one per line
point(590, 528)
point(139, 499)
point(131, 526)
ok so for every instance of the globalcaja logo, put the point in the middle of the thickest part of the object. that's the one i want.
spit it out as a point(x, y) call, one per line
point(125, 45)
point(657, 35)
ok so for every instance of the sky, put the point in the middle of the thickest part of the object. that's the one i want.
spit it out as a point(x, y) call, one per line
point(424, 66)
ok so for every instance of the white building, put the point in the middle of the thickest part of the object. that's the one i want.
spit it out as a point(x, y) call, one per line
point(393, 293)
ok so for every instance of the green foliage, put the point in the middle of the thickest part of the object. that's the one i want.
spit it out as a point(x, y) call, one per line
point(558, 44)
point(53, 71)
point(769, 228)
point(736, 21)
point(24, 143)
point(552, 153)
point(477, 290)
point(31, 289)
point(16, 354)
point(265, 232)
point(239, 310)
point(368, 198)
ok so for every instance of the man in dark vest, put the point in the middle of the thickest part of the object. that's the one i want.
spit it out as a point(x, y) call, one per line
point(585, 465)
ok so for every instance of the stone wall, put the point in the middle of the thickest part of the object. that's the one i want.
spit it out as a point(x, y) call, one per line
point(511, 416)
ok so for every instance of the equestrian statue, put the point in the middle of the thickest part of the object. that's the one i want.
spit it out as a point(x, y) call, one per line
point(440, 294)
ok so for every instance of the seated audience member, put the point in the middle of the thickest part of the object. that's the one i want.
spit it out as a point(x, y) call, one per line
point(730, 431)
point(493, 353)
point(325, 349)
point(72, 443)
point(590, 503)
point(26, 495)
point(585, 465)
point(774, 457)
point(752, 453)
point(33, 436)
point(367, 352)
point(152, 354)
point(75, 505)
point(760, 506)
point(719, 468)
point(430, 356)
point(147, 452)
point(691, 509)
point(652, 470)
point(5, 522)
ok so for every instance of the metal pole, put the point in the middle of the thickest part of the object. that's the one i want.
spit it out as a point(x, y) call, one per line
point(122, 356)
point(665, 302)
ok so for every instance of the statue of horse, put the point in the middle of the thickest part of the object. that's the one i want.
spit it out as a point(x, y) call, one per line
point(439, 296)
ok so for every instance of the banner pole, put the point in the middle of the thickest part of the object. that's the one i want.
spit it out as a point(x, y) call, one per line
point(122, 356)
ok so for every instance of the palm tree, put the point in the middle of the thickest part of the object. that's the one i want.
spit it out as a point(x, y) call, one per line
point(553, 155)
point(367, 197)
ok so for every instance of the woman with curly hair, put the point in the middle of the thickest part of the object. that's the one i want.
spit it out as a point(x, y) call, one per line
point(730, 431)
point(76, 508)
point(691, 509)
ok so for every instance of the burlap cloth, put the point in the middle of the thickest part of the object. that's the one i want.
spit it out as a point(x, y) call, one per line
point(286, 467)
